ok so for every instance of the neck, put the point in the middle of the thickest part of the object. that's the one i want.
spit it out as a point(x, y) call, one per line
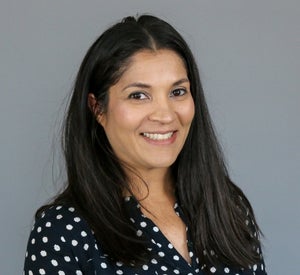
point(152, 185)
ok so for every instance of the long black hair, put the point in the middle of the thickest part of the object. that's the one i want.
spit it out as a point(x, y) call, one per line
point(216, 210)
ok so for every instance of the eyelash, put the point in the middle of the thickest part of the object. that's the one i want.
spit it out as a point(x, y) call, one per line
point(137, 95)
point(181, 90)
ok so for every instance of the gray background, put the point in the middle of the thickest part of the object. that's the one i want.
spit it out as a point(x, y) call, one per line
point(248, 54)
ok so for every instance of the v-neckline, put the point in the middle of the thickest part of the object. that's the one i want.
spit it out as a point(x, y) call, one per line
point(165, 240)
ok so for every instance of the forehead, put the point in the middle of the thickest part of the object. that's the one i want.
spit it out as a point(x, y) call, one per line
point(154, 66)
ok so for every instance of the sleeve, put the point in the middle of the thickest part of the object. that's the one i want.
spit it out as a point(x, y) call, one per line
point(57, 244)
point(259, 268)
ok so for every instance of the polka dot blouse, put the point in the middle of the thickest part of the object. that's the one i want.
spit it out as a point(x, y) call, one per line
point(61, 242)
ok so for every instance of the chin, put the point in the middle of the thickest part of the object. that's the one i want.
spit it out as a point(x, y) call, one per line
point(162, 163)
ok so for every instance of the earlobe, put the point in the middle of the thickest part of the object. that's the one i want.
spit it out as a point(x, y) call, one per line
point(92, 103)
point(101, 119)
point(96, 109)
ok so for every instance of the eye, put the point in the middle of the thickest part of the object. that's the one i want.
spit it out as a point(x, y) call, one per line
point(138, 96)
point(178, 92)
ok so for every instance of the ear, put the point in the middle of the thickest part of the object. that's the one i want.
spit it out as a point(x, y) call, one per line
point(96, 109)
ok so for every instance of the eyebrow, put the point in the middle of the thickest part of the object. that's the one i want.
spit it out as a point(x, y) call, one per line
point(147, 86)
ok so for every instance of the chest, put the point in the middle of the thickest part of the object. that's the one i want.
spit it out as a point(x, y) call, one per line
point(173, 229)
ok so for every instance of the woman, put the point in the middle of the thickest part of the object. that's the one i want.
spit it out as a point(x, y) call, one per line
point(147, 189)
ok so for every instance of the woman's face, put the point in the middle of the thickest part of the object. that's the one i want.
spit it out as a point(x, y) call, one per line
point(150, 110)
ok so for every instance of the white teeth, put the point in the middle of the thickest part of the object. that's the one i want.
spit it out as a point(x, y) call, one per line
point(158, 136)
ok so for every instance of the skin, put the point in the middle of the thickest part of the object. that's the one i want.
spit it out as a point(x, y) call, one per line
point(147, 120)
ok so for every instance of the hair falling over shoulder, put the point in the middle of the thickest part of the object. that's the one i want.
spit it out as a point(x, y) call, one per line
point(219, 216)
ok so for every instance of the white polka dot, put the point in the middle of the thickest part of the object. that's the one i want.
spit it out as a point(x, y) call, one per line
point(48, 224)
point(67, 258)
point(176, 271)
point(170, 246)
point(164, 268)
point(143, 224)
point(78, 272)
point(39, 229)
point(33, 257)
point(119, 263)
point(154, 261)
point(30, 272)
point(155, 229)
point(26, 254)
point(213, 270)
point(71, 209)
point(56, 247)
point(33, 240)
point(161, 254)
point(191, 254)
point(69, 226)
point(83, 234)
point(139, 233)
point(45, 239)
point(145, 267)
point(54, 262)
point(132, 220)
point(74, 242)
point(119, 272)
point(58, 207)
point(103, 265)
point(86, 247)
point(254, 267)
point(63, 239)
point(61, 273)
point(43, 253)
point(176, 257)
point(226, 270)
point(59, 217)
point(42, 271)
point(158, 244)
point(77, 219)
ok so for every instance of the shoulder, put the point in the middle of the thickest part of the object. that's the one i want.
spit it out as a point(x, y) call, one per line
point(60, 236)
point(63, 221)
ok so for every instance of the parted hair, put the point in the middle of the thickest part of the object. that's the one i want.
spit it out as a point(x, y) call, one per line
point(218, 215)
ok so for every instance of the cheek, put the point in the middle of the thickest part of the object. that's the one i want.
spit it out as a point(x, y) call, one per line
point(187, 112)
point(122, 117)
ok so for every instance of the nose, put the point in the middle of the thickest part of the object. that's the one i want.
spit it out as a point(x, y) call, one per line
point(162, 111)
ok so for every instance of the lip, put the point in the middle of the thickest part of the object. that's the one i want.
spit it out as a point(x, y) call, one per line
point(156, 141)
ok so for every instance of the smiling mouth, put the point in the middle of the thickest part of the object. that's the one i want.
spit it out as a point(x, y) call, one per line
point(157, 136)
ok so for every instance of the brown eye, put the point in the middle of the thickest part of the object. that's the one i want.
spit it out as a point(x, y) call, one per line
point(138, 96)
point(178, 92)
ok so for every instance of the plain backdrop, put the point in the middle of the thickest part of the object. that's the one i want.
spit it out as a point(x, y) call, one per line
point(248, 55)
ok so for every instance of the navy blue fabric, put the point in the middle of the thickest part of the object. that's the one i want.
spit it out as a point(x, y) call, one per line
point(61, 242)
